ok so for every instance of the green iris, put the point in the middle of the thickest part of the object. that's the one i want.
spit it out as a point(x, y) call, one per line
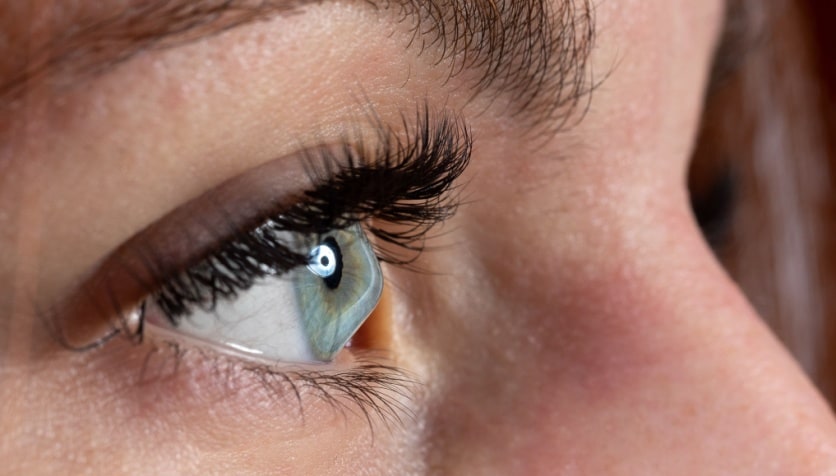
point(339, 289)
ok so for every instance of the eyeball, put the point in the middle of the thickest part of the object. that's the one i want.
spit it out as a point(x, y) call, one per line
point(306, 315)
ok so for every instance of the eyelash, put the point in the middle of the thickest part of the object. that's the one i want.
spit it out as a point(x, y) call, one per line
point(376, 390)
point(399, 182)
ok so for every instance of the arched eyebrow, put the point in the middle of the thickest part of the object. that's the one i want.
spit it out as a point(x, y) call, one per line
point(534, 52)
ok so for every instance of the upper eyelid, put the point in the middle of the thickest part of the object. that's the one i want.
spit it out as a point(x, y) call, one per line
point(127, 274)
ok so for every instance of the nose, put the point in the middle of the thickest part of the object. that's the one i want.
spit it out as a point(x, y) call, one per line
point(614, 352)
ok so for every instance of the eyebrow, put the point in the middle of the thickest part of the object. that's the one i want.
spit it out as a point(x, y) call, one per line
point(531, 51)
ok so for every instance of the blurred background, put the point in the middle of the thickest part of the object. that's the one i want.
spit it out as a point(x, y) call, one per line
point(762, 176)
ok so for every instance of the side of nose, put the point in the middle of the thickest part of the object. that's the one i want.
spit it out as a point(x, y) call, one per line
point(641, 358)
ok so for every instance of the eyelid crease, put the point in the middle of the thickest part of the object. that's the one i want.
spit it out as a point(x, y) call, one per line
point(401, 178)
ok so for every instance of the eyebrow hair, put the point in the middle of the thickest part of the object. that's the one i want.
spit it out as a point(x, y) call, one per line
point(525, 49)
point(535, 54)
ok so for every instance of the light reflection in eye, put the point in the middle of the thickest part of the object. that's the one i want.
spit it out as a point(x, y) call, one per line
point(305, 315)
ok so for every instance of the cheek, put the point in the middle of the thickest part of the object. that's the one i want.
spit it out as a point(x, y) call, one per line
point(554, 300)
point(557, 331)
point(582, 290)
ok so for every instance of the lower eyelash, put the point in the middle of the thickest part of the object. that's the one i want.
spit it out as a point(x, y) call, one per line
point(378, 392)
point(375, 390)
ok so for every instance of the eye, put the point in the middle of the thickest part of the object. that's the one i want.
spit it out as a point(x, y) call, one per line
point(305, 315)
point(274, 265)
point(340, 289)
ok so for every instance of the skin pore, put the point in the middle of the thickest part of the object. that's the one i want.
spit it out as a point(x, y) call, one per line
point(572, 320)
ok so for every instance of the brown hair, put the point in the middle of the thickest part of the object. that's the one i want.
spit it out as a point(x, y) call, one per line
point(763, 167)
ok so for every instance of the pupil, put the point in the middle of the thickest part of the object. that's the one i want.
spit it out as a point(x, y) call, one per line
point(333, 281)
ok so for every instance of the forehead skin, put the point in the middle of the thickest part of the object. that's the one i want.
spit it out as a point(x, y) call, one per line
point(580, 325)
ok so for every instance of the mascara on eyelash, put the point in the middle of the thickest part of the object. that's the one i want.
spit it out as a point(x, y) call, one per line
point(402, 182)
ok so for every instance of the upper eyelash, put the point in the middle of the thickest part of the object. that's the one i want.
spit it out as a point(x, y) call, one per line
point(405, 182)
point(398, 181)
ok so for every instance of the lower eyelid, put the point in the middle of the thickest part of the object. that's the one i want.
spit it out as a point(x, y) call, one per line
point(161, 380)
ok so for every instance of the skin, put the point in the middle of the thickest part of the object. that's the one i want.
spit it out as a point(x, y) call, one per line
point(577, 324)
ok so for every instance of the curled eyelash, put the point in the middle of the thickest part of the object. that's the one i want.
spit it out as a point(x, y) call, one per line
point(406, 182)
point(402, 185)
